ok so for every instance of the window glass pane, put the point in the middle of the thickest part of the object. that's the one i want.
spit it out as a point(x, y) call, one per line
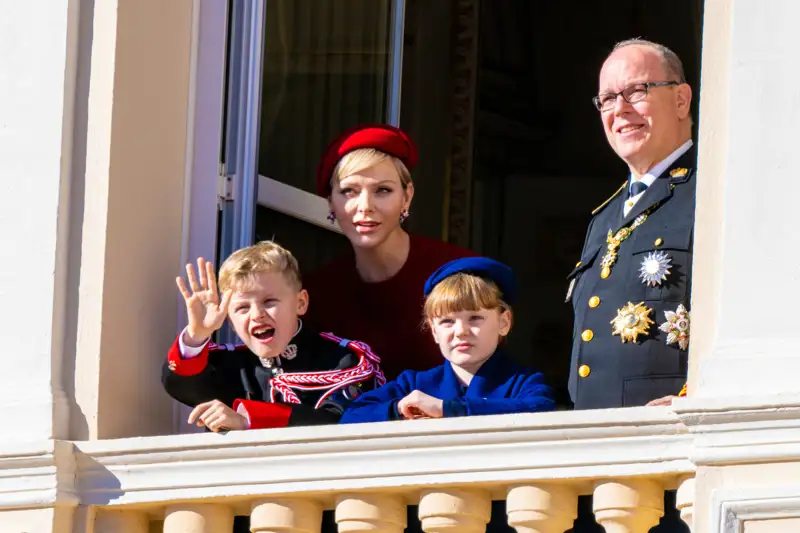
point(326, 68)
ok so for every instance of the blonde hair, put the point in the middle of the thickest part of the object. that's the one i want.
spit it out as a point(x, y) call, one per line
point(266, 256)
point(463, 292)
point(365, 158)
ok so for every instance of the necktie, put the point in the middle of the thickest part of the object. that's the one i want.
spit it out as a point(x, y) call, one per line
point(637, 187)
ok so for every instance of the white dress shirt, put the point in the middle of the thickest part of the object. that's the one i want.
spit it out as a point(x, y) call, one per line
point(653, 174)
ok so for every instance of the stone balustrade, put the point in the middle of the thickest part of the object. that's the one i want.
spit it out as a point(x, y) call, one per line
point(369, 473)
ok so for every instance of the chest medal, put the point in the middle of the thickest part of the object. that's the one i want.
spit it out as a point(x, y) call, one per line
point(632, 321)
point(677, 327)
point(655, 268)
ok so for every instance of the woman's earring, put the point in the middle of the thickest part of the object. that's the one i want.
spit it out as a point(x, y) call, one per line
point(404, 216)
point(332, 217)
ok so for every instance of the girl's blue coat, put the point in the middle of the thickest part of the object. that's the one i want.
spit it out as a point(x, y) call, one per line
point(500, 386)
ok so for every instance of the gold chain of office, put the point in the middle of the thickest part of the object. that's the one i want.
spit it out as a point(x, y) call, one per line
point(613, 240)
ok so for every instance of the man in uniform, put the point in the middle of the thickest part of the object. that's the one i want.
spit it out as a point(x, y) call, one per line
point(630, 291)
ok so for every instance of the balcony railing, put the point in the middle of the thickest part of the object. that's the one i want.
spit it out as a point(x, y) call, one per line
point(452, 469)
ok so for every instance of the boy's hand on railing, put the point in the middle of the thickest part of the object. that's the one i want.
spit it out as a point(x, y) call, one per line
point(217, 417)
point(420, 405)
point(203, 307)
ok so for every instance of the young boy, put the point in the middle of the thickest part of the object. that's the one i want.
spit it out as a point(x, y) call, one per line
point(283, 374)
point(467, 308)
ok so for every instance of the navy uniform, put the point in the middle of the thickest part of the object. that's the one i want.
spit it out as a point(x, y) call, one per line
point(639, 279)
point(311, 382)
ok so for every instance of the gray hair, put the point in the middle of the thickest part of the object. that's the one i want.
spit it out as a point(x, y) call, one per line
point(672, 64)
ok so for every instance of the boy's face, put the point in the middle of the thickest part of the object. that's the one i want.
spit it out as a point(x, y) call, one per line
point(264, 312)
point(468, 338)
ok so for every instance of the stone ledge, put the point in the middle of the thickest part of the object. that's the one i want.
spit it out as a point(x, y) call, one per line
point(37, 475)
point(742, 430)
point(489, 450)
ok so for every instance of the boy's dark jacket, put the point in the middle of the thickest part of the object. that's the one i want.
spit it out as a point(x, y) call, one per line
point(499, 387)
point(312, 382)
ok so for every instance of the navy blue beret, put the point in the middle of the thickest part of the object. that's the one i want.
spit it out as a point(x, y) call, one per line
point(483, 267)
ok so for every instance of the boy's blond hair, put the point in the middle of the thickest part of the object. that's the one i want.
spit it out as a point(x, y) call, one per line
point(266, 256)
point(463, 292)
point(365, 158)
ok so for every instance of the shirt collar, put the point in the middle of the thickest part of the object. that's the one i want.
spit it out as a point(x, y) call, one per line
point(659, 168)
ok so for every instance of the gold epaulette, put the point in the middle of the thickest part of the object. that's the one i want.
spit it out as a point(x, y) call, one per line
point(601, 206)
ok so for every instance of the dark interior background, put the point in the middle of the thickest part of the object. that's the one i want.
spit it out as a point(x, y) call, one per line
point(540, 162)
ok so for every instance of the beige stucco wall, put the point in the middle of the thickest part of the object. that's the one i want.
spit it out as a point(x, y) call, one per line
point(137, 102)
point(772, 526)
point(53, 520)
point(741, 478)
point(93, 137)
point(744, 333)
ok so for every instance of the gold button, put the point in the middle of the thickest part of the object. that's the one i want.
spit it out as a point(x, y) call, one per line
point(584, 371)
point(587, 335)
point(658, 242)
point(579, 263)
point(594, 301)
point(630, 204)
point(605, 272)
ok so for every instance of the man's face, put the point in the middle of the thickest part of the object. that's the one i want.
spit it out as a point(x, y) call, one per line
point(643, 133)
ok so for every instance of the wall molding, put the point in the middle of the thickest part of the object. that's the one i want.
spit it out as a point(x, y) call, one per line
point(37, 475)
point(732, 507)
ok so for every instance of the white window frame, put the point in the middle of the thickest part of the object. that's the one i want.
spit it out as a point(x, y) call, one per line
point(202, 177)
point(309, 207)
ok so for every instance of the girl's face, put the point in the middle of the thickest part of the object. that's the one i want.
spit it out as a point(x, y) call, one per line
point(468, 338)
point(368, 204)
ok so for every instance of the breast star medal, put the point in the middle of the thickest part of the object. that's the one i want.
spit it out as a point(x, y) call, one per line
point(655, 268)
point(677, 327)
point(632, 321)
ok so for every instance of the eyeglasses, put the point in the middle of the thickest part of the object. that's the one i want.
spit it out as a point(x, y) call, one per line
point(631, 94)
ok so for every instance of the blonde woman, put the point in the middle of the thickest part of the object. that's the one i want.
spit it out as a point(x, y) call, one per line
point(375, 292)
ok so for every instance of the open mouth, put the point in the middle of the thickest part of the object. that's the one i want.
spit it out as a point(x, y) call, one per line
point(263, 333)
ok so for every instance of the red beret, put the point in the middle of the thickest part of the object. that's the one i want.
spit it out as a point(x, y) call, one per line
point(382, 137)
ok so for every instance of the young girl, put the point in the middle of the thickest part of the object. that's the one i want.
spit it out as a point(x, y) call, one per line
point(467, 310)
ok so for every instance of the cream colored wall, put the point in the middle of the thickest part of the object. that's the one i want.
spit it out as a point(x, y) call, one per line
point(53, 520)
point(712, 160)
point(787, 525)
point(740, 478)
point(36, 93)
point(131, 223)
point(747, 263)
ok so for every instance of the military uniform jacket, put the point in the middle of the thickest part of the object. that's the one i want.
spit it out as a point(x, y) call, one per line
point(604, 371)
point(500, 386)
point(311, 382)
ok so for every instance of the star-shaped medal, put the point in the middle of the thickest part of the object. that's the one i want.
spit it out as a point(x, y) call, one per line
point(677, 327)
point(632, 321)
point(655, 268)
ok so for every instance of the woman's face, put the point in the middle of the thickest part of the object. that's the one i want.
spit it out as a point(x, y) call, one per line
point(368, 204)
